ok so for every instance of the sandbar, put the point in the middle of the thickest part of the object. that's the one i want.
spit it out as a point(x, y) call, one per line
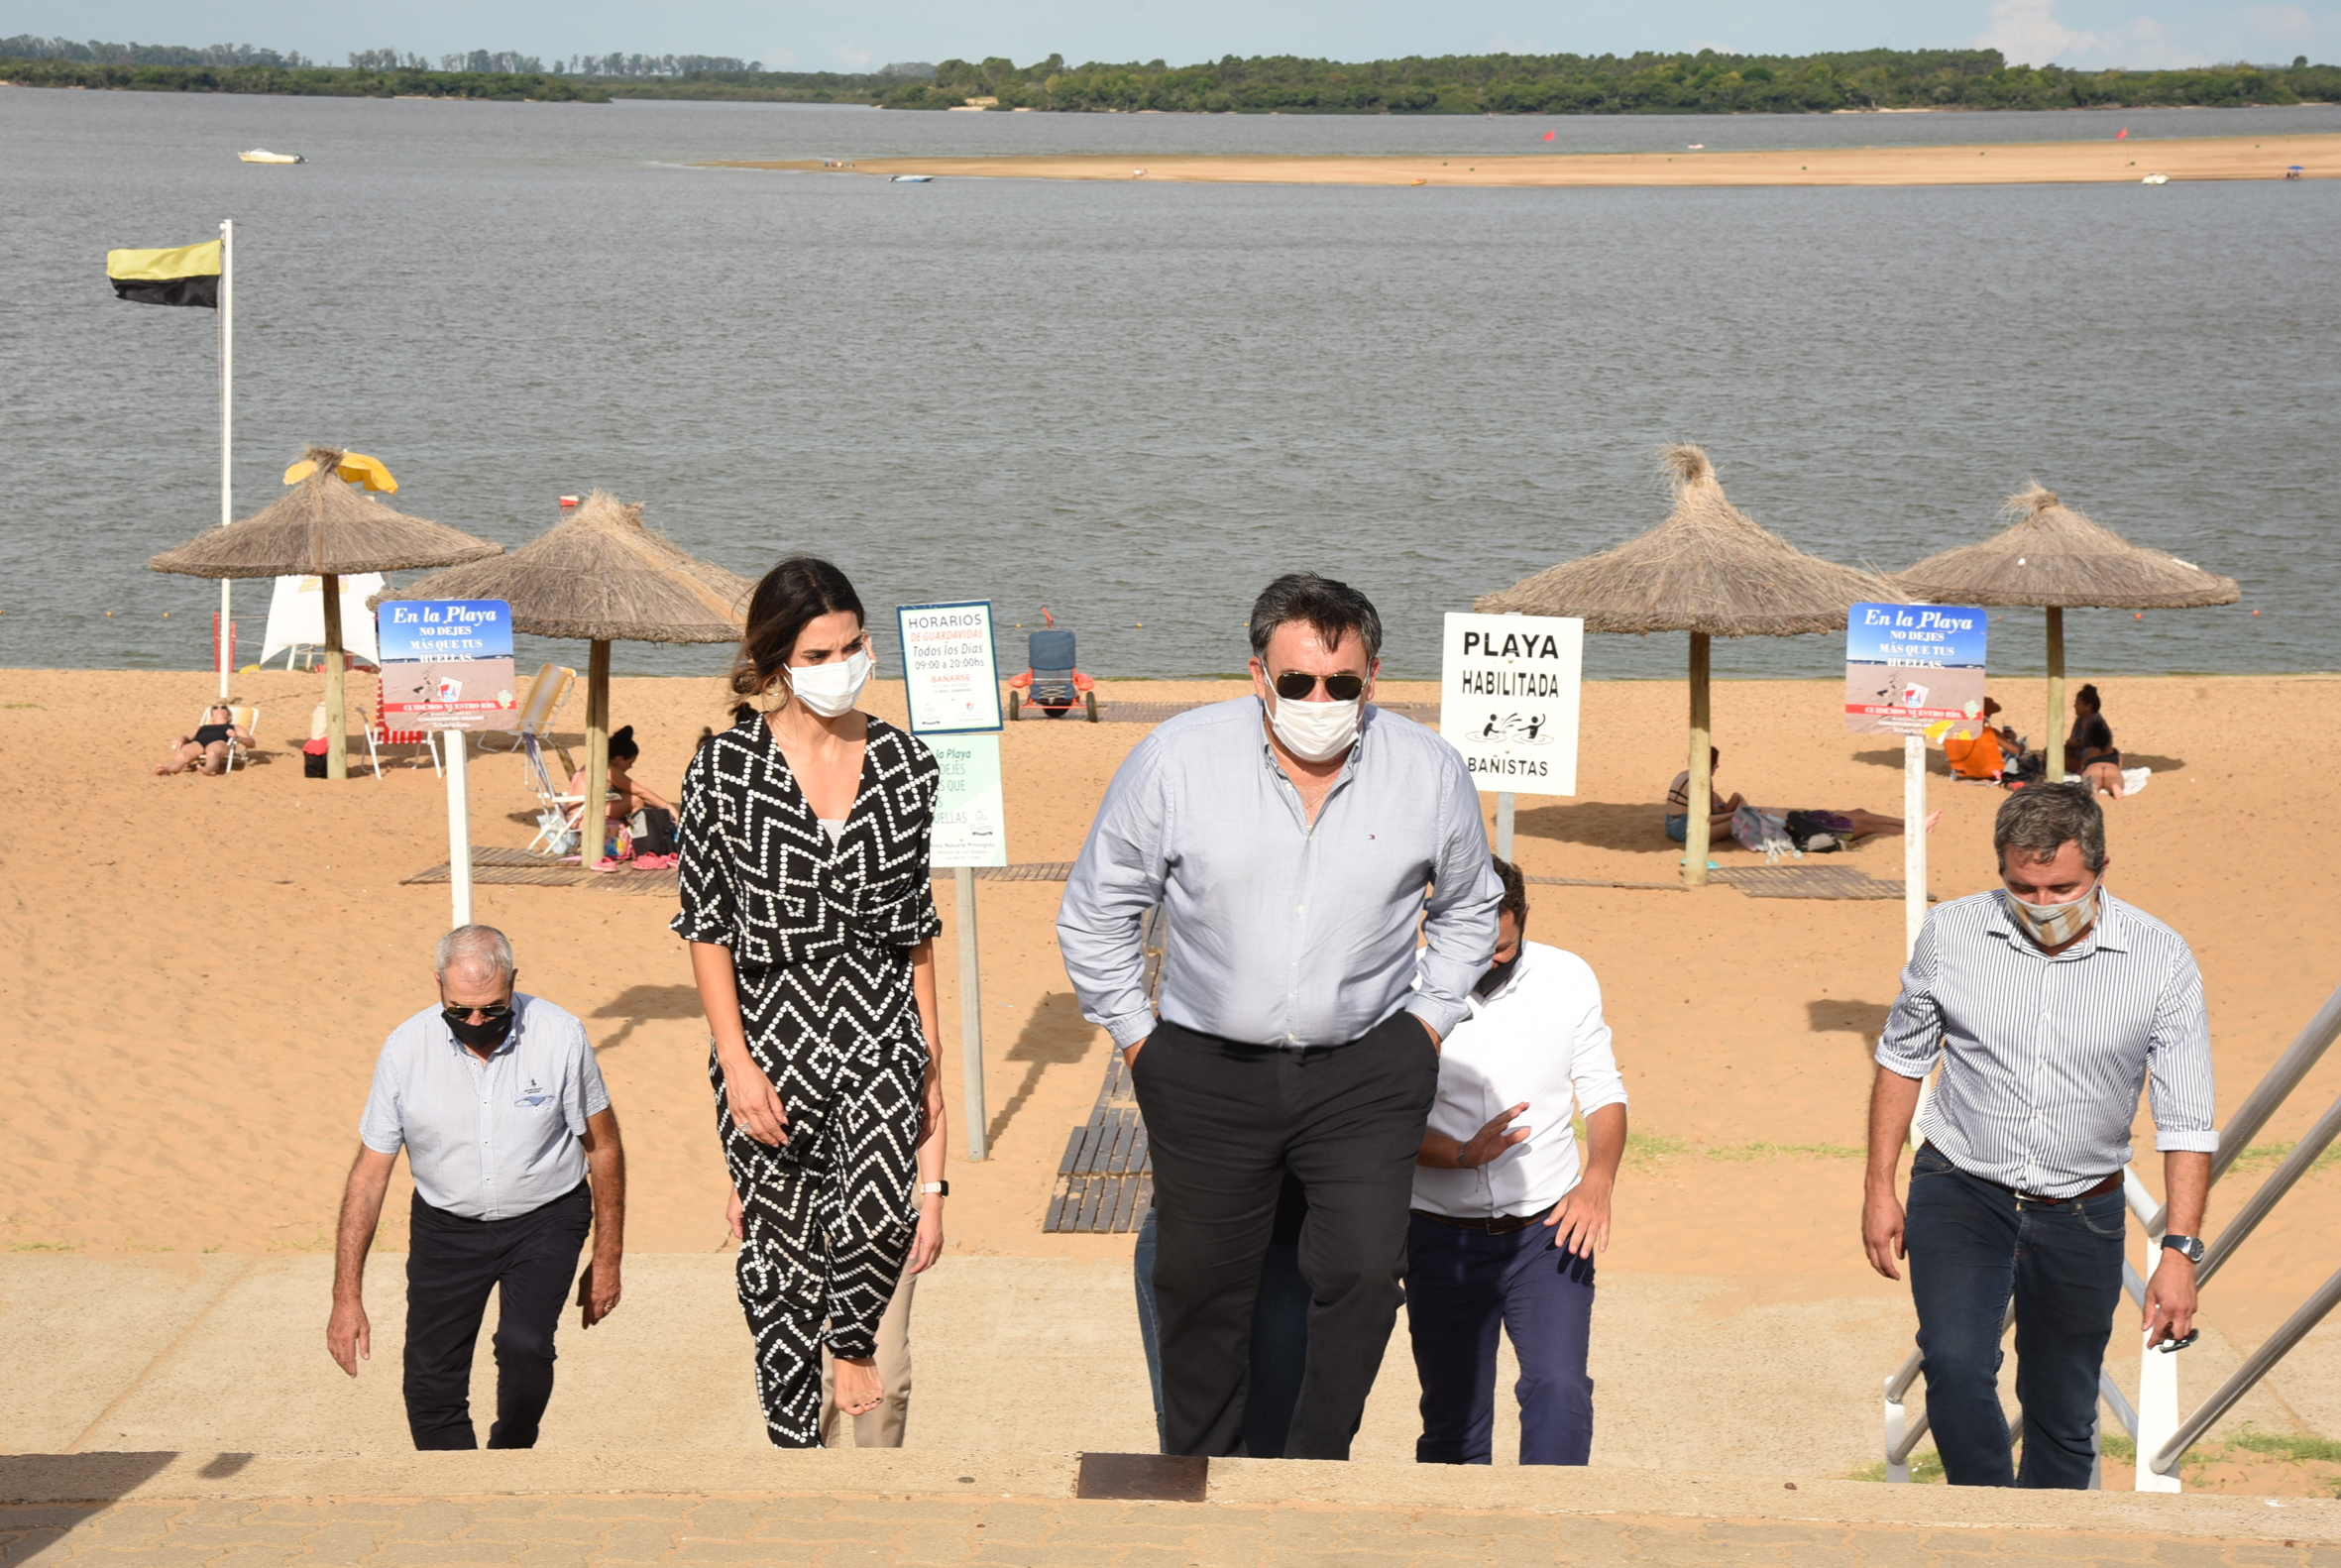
point(2106, 162)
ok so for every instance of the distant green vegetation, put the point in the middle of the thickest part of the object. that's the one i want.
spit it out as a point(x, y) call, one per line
point(1705, 82)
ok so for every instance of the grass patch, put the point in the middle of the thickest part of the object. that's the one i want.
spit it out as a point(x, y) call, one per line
point(2284, 1445)
point(18, 704)
point(1925, 1469)
point(2262, 1157)
point(2114, 1445)
point(1645, 1149)
point(1771, 1151)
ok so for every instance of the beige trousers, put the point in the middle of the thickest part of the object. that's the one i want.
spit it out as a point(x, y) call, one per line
point(883, 1427)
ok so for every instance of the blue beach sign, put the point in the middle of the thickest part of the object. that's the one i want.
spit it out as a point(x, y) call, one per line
point(445, 628)
point(447, 664)
point(1914, 670)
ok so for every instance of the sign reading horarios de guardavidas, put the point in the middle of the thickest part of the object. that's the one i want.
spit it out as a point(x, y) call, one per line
point(1508, 700)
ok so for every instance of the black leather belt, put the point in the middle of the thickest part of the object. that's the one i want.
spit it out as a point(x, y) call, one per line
point(1493, 1224)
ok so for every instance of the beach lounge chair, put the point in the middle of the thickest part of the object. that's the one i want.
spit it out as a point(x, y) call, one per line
point(546, 694)
point(377, 737)
point(1051, 684)
point(556, 813)
point(245, 719)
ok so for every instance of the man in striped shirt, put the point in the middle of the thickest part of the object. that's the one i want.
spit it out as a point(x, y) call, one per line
point(2048, 1003)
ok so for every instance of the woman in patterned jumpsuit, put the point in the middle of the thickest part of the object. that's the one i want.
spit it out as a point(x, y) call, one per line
point(807, 906)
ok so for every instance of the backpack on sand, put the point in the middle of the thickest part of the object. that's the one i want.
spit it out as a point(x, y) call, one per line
point(1818, 832)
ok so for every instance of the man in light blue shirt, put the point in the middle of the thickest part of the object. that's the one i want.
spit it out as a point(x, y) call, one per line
point(500, 1105)
point(1296, 839)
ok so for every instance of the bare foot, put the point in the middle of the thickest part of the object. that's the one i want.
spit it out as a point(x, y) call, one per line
point(859, 1390)
point(1933, 817)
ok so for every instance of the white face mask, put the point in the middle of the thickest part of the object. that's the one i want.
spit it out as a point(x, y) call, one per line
point(1317, 731)
point(830, 689)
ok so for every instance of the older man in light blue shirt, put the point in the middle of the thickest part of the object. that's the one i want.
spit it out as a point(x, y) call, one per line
point(1296, 838)
point(500, 1105)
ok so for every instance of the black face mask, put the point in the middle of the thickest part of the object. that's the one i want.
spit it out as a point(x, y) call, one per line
point(486, 1034)
point(1498, 973)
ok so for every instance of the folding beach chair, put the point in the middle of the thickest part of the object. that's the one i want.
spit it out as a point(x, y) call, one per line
point(379, 735)
point(546, 694)
point(557, 814)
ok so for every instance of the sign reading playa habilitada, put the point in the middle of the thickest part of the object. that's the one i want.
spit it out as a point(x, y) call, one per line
point(1508, 700)
point(1914, 670)
point(447, 664)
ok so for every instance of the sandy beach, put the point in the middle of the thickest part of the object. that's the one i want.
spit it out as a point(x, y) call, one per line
point(2009, 164)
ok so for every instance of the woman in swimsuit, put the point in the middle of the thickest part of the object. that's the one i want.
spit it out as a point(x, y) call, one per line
point(206, 750)
point(2090, 751)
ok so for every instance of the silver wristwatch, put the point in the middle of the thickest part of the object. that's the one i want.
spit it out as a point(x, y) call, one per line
point(2189, 1247)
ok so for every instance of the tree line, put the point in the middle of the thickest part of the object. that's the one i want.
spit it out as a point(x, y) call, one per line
point(1705, 82)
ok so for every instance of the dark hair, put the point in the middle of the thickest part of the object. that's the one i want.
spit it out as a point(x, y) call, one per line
point(2088, 694)
point(2041, 818)
point(621, 743)
point(1515, 889)
point(1334, 609)
point(793, 595)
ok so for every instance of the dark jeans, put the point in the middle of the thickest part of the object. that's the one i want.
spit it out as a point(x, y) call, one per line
point(1971, 1245)
point(1460, 1285)
point(1225, 1121)
point(530, 1262)
point(1279, 1327)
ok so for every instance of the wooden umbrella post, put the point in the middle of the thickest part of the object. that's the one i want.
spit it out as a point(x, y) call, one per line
point(2051, 752)
point(337, 744)
point(592, 819)
point(1695, 825)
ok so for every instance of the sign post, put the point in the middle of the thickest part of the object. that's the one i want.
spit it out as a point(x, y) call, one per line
point(1915, 671)
point(447, 665)
point(1507, 701)
point(951, 690)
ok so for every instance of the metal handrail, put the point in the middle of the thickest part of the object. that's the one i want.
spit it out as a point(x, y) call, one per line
point(2306, 1049)
point(2297, 1327)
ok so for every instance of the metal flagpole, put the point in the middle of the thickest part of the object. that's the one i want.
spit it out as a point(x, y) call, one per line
point(227, 433)
point(1914, 839)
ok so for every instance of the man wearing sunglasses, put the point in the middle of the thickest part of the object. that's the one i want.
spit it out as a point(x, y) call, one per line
point(497, 1099)
point(1290, 837)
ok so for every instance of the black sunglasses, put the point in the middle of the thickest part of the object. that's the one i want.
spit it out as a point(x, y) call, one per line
point(463, 1015)
point(1295, 686)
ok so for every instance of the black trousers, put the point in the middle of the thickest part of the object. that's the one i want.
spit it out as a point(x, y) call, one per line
point(1225, 1121)
point(451, 1264)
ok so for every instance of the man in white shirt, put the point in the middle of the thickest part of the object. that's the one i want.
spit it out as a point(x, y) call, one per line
point(495, 1097)
point(1505, 1224)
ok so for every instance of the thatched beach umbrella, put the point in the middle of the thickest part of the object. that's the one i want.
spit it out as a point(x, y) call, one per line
point(1709, 570)
point(600, 576)
point(2052, 556)
point(324, 528)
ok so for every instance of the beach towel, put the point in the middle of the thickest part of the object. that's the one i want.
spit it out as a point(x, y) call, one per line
point(1764, 831)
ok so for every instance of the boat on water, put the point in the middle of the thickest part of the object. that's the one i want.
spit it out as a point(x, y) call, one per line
point(260, 154)
point(2156, 180)
point(911, 180)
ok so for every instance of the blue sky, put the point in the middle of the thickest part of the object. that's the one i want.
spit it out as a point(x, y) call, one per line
point(844, 35)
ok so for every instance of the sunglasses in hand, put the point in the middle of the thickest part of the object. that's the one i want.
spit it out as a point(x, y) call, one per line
point(1296, 686)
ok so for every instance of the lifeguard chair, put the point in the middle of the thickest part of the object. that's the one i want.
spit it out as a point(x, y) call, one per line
point(1051, 684)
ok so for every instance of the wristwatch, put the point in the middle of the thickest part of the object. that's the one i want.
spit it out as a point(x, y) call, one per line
point(944, 1190)
point(2189, 1247)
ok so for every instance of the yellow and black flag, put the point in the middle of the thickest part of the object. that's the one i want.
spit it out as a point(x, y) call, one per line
point(184, 275)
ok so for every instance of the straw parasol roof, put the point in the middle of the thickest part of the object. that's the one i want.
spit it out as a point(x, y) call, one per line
point(323, 527)
point(2052, 555)
point(1709, 568)
point(599, 577)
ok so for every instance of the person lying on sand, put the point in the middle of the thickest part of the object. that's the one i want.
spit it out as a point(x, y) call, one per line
point(1854, 824)
point(205, 749)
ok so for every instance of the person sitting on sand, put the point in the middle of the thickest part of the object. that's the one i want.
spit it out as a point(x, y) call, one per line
point(1986, 755)
point(1720, 810)
point(628, 795)
point(1852, 824)
point(2090, 751)
point(206, 748)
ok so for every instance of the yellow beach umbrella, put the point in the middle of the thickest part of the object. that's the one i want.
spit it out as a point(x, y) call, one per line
point(356, 467)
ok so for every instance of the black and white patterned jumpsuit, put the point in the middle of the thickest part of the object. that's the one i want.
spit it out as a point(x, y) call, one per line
point(821, 938)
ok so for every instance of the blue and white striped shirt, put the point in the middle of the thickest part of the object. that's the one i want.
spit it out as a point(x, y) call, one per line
point(2042, 1058)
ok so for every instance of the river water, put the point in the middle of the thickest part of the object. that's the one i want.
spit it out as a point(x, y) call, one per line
point(1134, 403)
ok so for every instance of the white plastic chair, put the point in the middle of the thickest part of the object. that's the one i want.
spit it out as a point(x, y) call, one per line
point(556, 814)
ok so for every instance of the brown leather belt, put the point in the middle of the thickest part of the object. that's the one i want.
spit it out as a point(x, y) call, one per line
point(1493, 1224)
point(2110, 1184)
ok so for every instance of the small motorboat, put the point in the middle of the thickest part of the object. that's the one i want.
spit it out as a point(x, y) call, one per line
point(911, 180)
point(260, 154)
